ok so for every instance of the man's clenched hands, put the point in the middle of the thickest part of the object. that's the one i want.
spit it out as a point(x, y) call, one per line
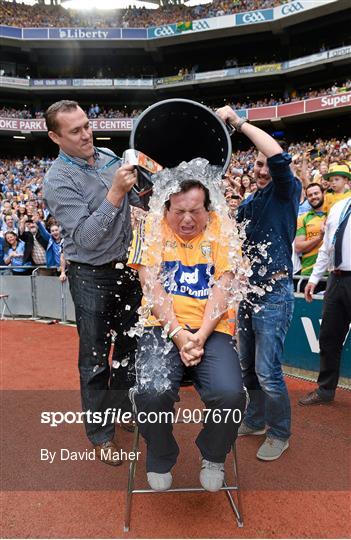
point(124, 180)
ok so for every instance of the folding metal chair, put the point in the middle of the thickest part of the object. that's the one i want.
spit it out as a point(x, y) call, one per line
point(232, 491)
point(3, 301)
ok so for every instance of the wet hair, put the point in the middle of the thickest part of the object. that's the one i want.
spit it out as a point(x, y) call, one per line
point(65, 105)
point(186, 186)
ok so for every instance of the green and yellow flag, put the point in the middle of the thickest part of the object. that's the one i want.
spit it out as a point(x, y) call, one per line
point(183, 26)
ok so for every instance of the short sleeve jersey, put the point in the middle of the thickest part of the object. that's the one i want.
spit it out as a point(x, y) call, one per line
point(331, 198)
point(308, 225)
point(188, 269)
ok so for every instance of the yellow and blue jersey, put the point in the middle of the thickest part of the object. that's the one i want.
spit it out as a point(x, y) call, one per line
point(188, 268)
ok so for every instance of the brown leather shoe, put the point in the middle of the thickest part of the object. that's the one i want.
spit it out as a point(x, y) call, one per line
point(108, 453)
point(313, 398)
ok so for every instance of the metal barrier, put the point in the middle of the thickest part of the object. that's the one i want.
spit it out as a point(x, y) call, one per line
point(37, 296)
point(46, 297)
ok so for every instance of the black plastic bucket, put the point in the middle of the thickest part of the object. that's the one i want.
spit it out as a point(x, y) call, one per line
point(177, 130)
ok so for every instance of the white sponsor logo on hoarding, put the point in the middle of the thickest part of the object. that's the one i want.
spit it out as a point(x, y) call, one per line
point(111, 124)
point(254, 17)
point(308, 59)
point(334, 101)
point(163, 31)
point(78, 33)
point(289, 9)
point(14, 81)
point(22, 125)
point(92, 82)
point(133, 82)
point(342, 51)
point(211, 74)
point(201, 25)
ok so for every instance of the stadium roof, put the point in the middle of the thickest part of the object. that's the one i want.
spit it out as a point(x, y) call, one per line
point(112, 4)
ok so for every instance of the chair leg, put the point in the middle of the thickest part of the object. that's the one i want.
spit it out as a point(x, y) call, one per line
point(6, 306)
point(131, 477)
point(236, 506)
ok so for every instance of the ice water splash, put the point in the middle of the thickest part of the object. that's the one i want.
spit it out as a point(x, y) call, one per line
point(152, 365)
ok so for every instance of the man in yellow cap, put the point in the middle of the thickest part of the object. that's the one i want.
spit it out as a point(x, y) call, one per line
point(338, 176)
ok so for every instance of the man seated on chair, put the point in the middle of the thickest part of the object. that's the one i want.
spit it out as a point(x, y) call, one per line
point(189, 300)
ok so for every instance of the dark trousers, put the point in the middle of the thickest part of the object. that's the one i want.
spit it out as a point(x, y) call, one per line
point(217, 379)
point(105, 300)
point(336, 319)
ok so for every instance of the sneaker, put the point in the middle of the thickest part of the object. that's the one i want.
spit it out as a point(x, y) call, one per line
point(272, 449)
point(159, 481)
point(246, 430)
point(211, 475)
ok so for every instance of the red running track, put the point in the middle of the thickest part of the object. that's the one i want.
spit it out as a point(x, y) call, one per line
point(305, 494)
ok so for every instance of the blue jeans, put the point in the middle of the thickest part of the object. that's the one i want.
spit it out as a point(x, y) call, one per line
point(261, 343)
point(105, 299)
point(218, 380)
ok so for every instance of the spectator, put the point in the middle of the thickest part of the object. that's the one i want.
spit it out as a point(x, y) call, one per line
point(9, 224)
point(304, 205)
point(16, 254)
point(335, 252)
point(253, 185)
point(36, 242)
point(338, 176)
point(245, 186)
point(21, 211)
point(233, 203)
point(54, 249)
point(2, 254)
point(310, 232)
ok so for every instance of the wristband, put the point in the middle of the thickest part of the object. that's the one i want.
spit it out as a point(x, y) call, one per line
point(239, 124)
point(174, 332)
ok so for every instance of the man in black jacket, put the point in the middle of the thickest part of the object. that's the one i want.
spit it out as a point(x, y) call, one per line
point(36, 244)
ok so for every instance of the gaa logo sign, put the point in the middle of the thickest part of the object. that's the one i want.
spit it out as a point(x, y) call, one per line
point(253, 17)
point(201, 25)
point(289, 9)
point(164, 31)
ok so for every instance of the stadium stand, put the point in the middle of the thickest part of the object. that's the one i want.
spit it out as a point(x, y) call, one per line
point(284, 65)
point(13, 14)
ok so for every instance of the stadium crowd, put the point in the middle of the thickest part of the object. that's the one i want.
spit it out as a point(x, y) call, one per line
point(104, 111)
point(23, 212)
point(94, 111)
point(14, 14)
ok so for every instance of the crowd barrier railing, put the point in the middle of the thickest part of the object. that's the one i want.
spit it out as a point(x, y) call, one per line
point(46, 297)
point(36, 296)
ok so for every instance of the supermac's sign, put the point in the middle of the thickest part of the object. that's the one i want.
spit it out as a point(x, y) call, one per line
point(254, 17)
point(328, 102)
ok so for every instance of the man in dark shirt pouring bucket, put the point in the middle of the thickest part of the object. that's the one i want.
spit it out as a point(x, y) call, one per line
point(270, 215)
